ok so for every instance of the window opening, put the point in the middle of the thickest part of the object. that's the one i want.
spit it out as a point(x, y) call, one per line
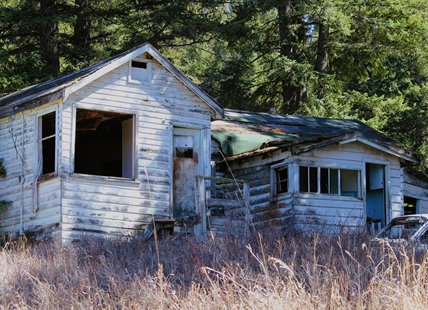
point(308, 179)
point(341, 182)
point(140, 71)
point(104, 143)
point(46, 142)
point(304, 177)
point(281, 180)
point(329, 179)
point(138, 64)
point(183, 146)
point(409, 205)
point(313, 179)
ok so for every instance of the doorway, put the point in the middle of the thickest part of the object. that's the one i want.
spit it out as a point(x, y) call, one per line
point(376, 194)
point(187, 165)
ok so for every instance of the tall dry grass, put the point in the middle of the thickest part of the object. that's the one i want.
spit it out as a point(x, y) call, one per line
point(260, 271)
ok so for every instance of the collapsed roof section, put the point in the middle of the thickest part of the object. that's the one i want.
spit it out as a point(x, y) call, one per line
point(245, 134)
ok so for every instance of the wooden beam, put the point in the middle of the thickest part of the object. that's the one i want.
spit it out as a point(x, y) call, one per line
point(11, 109)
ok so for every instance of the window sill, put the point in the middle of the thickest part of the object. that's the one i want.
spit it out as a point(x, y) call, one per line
point(327, 196)
point(46, 177)
point(138, 82)
point(103, 179)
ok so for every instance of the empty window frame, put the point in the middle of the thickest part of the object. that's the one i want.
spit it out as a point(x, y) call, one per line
point(281, 180)
point(104, 143)
point(140, 71)
point(410, 205)
point(342, 182)
point(46, 142)
point(183, 146)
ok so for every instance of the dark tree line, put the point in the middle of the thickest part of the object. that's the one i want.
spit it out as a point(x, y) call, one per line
point(364, 59)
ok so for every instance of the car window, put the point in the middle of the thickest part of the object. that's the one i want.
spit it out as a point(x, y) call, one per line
point(401, 230)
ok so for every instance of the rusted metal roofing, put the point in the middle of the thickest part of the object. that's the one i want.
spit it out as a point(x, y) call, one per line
point(59, 88)
point(245, 134)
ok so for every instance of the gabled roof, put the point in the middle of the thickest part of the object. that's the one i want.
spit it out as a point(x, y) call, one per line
point(245, 134)
point(61, 87)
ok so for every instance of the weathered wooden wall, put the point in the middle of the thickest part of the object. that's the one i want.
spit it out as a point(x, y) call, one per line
point(100, 204)
point(124, 206)
point(306, 209)
point(17, 148)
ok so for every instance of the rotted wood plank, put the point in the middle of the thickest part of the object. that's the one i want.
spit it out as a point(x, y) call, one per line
point(226, 203)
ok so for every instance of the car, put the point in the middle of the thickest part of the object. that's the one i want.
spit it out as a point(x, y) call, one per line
point(406, 230)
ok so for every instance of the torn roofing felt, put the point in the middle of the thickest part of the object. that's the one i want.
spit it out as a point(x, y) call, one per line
point(243, 133)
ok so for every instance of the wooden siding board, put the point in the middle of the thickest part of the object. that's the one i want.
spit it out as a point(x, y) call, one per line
point(75, 207)
point(110, 199)
point(142, 163)
point(111, 190)
point(112, 219)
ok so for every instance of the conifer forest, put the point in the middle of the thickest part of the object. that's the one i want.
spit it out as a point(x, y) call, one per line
point(359, 59)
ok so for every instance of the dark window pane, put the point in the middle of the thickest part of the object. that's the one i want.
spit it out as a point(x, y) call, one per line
point(138, 64)
point(48, 153)
point(48, 124)
point(282, 181)
point(313, 175)
point(183, 152)
point(183, 146)
point(303, 174)
point(325, 181)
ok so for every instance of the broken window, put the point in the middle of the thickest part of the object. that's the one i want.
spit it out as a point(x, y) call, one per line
point(47, 144)
point(104, 143)
point(343, 182)
point(183, 146)
point(281, 180)
point(140, 71)
point(410, 205)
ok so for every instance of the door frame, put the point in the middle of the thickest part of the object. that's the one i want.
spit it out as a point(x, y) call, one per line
point(204, 158)
point(386, 187)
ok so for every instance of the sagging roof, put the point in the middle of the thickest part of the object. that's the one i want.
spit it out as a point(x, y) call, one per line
point(245, 134)
point(61, 87)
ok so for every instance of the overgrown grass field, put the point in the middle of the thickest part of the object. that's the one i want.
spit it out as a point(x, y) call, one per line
point(264, 270)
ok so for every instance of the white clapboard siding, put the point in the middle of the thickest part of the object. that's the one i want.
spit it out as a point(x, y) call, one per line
point(120, 207)
point(95, 204)
point(17, 141)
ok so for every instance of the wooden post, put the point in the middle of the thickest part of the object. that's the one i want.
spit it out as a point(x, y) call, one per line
point(246, 192)
point(201, 227)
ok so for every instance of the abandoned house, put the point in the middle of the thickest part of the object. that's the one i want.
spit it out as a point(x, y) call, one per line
point(131, 143)
point(106, 149)
point(316, 172)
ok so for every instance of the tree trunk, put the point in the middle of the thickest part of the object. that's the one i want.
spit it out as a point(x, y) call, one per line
point(82, 32)
point(49, 36)
point(321, 64)
point(292, 37)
